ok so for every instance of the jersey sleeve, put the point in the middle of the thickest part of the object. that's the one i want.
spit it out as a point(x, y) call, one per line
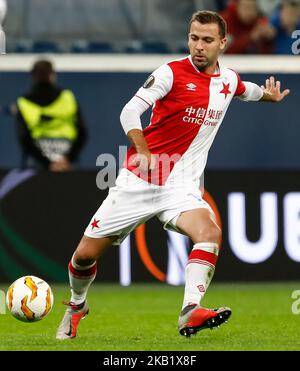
point(252, 93)
point(157, 85)
point(241, 88)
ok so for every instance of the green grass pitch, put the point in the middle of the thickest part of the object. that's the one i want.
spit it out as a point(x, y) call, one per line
point(144, 317)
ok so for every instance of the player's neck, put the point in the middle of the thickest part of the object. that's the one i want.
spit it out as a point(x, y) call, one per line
point(211, 70)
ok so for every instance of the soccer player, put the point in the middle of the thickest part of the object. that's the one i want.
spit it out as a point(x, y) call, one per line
point(160, 177)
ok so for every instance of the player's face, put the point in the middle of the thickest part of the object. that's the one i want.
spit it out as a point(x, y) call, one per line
point(205, 44)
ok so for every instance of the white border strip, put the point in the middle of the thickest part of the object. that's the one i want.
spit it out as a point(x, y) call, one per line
point(144, 63)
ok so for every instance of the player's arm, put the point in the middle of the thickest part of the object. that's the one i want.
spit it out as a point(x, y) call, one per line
point(144, 159)
point(271, 91)
point(131, 122)
point(156, 87)
point(247, 91)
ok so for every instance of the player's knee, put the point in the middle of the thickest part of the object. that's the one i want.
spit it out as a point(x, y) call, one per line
point(208, 234)
point(84, 258)
point(87, 251)
point(84, 261)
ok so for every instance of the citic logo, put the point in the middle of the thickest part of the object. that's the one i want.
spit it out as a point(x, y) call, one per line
point(194, 115)
point(197, 116)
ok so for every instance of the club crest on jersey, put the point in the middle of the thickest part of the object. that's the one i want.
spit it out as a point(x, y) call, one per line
point(191, 86)
point(149, 82)
point(225, 89)
point(95, 223)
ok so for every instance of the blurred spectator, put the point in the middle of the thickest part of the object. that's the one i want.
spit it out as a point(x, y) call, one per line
point(285, 20)
point(214, 5)
point(220, 4)
point(3, 10)
point(248, 31)
point(50, 125)
point(267, 7)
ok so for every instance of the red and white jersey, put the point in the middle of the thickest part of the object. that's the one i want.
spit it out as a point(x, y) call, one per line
point(188, 109)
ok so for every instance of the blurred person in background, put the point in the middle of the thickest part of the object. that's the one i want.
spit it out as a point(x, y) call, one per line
point(210, 4)
point(220, 4)
point(249, 32)
point(3, 11)
point(284, 21)
point(50, 126)
point(267, 7)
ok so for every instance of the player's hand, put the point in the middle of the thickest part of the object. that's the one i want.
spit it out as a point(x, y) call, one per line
point(272, 91)
point(144, 161)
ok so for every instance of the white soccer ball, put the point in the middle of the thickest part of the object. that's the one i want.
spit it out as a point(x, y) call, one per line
point(29, 299)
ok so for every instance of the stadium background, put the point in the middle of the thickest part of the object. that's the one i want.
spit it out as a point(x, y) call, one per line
point(253, 168)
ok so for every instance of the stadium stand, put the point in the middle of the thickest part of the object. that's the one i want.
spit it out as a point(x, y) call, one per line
point(41, 46)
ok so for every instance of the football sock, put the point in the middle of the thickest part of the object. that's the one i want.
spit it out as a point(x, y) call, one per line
point(80, 278)
point(199, 271)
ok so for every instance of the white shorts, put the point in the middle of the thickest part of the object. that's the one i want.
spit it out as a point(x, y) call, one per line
point(133, 201)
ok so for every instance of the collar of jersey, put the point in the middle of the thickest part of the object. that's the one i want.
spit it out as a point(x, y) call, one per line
point(202, 73)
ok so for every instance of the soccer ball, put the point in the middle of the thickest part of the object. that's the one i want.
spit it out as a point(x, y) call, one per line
point(29, 299)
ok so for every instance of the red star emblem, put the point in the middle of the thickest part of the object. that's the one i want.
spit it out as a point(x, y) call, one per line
point(95, 224)
point(225, 90)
